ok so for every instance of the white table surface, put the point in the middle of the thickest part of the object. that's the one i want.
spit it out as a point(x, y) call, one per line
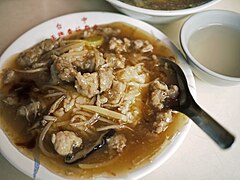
point(198, 158)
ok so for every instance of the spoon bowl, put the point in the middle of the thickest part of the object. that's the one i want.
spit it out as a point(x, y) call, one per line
point(188, 106)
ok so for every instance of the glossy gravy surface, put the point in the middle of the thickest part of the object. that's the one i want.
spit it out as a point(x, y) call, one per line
point(141, 147)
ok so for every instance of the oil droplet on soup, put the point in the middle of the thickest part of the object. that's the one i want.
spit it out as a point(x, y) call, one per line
point(217, 48)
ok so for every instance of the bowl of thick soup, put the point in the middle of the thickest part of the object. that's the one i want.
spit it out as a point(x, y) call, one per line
point(161, 11)
point(90, 98)
point(210, 41)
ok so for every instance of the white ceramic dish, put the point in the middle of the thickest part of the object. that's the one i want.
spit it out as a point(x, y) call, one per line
point(157, 16)
point(61, 25)
point(202, 20)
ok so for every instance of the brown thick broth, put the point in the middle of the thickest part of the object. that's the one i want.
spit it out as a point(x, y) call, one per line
point(142, 145)
point(166, 4)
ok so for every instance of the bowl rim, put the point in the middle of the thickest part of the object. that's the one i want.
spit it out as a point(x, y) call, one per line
point(163, 12)
point(16, 158)
point(184, 44)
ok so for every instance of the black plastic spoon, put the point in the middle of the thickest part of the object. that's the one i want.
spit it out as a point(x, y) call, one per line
point(189, 107)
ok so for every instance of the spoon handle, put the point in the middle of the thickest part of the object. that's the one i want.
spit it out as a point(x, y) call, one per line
point(211, 127)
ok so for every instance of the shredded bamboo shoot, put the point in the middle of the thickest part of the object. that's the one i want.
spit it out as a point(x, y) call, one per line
point(105, 112)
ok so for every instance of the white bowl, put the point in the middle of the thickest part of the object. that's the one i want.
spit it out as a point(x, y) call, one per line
point(49, 28)
point(202, 20)
point(157, 16)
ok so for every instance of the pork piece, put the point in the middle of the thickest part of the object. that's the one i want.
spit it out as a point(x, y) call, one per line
point(88, 65)
point(48, 44)
point(115, 61)
point(31, 56)
point(119, 45)
point(99, 59)
point(117, 142)
point(101, 99)
point(87, 84)
point(143, 46)
point(111, 31)
point(65, 70)
point(138, 44)
point(96, 31)
point(65, 141)
point(105, 78)
point(162, 121)
point(84, 100)
point(31, 110)
point(117, 92)
point(85, 62)
point(8, 76)
point(68, 103)
point(173, 92)
point(160, 92)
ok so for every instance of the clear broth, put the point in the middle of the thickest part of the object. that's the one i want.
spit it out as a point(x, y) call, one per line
point(217, 48)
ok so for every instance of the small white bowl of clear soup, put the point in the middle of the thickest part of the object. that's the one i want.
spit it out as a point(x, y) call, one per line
point(211, 42)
